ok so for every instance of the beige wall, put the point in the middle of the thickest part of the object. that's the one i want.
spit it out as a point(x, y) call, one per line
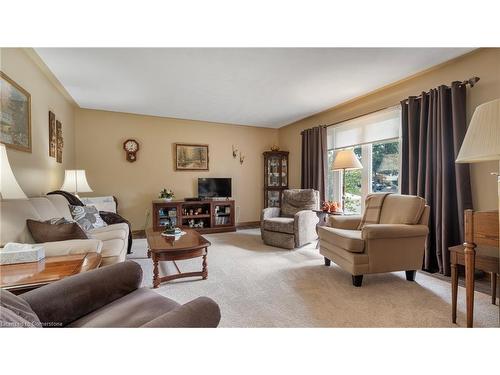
point(99, 141)
point(36, 172)
point(484, 63)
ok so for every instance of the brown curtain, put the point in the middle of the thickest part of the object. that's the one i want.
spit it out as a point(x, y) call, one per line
point(314, 160)
point(433, 128)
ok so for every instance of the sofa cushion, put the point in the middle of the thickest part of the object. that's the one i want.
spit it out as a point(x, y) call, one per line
point(43, 231)
point(347, 239)
point(295, 200)
point(279, 224)
point(14, 213)
point(61, 204)
point(16, 312)
point(132, 310)
point(402, 209)
point(87, 217)
point(45, 208)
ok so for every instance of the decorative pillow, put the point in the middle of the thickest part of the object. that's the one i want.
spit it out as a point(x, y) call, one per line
point(87, 217)
point(55, 230)
point(16, 312)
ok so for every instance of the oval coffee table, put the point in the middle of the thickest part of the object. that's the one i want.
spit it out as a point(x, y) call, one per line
point(188, 246)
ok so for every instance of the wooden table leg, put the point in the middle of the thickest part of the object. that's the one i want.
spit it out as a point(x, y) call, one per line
point(454, 292)
point(493, 276)
point(470, 254)
point(156, 273)
point(204, 269)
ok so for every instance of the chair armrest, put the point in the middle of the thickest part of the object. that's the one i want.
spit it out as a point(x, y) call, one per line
point(110, 232)
point(304, 227)
point(69, 247)
point(202, 312)
point(379, 231)
point(344, 222)
point(270, 212)
point(69, 299)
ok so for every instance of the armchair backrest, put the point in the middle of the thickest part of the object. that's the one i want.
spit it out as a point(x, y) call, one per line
point(402, 209)
point(295, 200)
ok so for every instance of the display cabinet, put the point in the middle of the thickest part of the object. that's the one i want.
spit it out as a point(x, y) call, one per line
point(275, 177)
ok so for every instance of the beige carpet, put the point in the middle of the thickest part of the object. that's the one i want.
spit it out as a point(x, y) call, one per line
point(262, 286)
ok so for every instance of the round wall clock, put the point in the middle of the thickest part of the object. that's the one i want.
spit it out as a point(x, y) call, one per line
point(131, 146)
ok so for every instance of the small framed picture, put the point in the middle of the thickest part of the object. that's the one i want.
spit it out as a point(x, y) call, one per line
point(15, 115)
point(191, 157)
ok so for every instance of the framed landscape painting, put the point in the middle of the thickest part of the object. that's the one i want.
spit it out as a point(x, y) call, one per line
point(15, 115)
point(191, 157)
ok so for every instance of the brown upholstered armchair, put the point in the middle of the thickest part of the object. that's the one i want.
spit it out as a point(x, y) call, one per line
point(396, 243)
point(293, 225)
point(106, 297)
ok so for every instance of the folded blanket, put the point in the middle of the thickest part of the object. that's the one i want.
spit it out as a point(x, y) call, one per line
point(373, 206)
point(108, 217)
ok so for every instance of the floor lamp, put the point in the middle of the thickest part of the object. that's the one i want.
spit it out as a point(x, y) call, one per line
point(345, 160)
point(481, 143)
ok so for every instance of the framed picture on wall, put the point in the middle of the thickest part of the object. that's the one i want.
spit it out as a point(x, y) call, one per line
point(52, 134)
point(15, 115)
point(59, 142)
point(191, 157)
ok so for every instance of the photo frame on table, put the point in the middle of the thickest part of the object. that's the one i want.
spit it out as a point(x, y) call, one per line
point(15, 115)
point(191, 157)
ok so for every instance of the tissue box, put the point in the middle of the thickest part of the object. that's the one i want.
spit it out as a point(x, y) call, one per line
point(21, 253)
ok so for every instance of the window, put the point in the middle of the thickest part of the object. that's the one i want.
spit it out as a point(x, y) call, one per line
point(375, 140)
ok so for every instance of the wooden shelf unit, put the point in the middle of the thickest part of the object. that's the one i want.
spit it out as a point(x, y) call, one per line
point(275, 177)
point(217, 215)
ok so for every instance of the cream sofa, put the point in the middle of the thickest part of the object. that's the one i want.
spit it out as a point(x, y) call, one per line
point(397, 243)
point(109, 241)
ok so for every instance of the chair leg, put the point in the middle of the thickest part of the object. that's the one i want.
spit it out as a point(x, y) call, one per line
point(493, 276)
point(327, 262)
point(357, 280)
point(410, 275)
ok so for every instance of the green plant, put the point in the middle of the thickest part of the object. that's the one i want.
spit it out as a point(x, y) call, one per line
point(166, 194)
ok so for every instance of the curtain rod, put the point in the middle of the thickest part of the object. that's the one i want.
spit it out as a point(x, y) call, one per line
point(471, 82)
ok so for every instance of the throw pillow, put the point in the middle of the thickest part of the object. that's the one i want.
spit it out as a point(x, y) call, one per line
point(55, 230)
point(87, 217)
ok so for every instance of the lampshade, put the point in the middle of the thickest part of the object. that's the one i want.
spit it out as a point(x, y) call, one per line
point(9, 188)
point(75, 181)
point(482, 140)
point(346, 159)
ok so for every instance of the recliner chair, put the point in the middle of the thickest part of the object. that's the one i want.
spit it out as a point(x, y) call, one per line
point(397, 243)
point(293, 225)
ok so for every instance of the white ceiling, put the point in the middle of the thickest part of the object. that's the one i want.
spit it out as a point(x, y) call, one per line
point(268, 87)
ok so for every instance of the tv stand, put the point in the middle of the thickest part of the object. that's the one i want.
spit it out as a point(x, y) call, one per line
point(205, 215)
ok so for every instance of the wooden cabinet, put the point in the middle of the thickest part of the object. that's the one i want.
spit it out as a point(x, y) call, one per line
point(206, 216)
point(275, 177)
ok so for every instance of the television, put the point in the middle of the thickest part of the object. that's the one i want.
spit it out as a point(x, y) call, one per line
point(214, 187)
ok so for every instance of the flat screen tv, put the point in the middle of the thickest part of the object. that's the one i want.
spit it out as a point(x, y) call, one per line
point(214, 187)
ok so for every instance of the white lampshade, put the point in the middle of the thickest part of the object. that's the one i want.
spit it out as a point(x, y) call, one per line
point(9, 188)
point(346, 159)
point(75, 181)
point(482, 140)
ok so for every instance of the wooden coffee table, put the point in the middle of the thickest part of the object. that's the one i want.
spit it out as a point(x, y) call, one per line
point(22, 277)
point(190, 245)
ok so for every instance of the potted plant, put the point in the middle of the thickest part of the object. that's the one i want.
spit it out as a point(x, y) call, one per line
point(166, 194)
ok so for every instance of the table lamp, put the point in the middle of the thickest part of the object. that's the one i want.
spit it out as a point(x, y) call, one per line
point(9, 188)
point(75, 181)
point(481, 143)
point(345, 160)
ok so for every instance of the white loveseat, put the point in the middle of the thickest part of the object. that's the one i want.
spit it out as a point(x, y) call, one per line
point(109, 241)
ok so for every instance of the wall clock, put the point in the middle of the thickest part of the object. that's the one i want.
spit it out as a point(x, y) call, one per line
point(131, 146)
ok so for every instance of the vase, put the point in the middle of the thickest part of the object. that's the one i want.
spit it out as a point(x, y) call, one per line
point(167, 199)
